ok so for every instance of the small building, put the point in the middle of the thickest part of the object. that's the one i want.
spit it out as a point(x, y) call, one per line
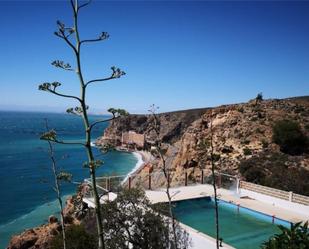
point(131, 139)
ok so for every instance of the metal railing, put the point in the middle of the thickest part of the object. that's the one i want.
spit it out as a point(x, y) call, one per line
point(157, 180)
point(89, 194)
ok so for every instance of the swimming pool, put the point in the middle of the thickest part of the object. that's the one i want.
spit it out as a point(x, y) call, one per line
point(240, 227)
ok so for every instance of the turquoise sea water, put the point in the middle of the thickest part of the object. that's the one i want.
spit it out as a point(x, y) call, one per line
point(243, 229)
point(26, 195)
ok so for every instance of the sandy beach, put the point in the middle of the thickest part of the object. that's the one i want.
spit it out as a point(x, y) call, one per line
point(143, 157)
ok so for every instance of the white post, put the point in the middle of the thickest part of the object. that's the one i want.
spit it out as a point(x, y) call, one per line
point(291, 196)
point(237, 186)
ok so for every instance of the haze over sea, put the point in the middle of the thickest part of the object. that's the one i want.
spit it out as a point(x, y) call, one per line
point(27, 198)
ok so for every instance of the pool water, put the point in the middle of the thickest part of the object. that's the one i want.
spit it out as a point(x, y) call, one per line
point(241, 228)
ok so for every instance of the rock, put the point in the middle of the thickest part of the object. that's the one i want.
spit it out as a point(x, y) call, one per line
point(40, 237)
point(52, 219)
point(36, 238)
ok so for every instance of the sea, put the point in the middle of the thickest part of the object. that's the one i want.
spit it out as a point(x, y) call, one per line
point(26, 183)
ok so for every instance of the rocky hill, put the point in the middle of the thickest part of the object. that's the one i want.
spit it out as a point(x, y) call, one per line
point(242, 138)
point(173, 125)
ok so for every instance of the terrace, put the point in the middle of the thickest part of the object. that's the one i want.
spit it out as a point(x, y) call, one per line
point(275, 206)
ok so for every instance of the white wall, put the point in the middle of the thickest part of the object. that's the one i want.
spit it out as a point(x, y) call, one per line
point(295, 207)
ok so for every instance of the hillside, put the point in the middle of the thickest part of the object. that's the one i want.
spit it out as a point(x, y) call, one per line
point(243, 141)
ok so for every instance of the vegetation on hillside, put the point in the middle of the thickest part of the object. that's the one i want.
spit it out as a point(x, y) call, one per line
point(76, 238)
point(131, 221)
point(276, 170)
point(289, 136)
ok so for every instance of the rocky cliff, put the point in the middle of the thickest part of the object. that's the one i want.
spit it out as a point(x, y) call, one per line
point(173, 125)
point(240, 132)
point(40, 237)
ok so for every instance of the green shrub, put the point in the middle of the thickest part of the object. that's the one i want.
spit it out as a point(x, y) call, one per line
point(246, 141)
point(241, 109)
point(260, 115)
point(264, 143)
point(259, 97)
point(76, 237)
point(296, 237)
point(132, 217)
point(259, 130)
point(299, 109)
point(247, 151)
point(252, 173)
point(216, 157)
point(288, 135)
point(276, 170)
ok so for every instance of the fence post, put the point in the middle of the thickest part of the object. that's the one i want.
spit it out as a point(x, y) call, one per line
point(273, 219)
point(129, 182)
point(186, 179)
point(202, 180)
point(290, 196)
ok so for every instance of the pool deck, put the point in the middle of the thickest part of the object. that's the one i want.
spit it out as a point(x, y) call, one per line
point(202, 241)
point(198, 191)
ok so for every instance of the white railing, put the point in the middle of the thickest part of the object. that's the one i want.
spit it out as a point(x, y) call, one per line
point(277, 193)
point(157, 179)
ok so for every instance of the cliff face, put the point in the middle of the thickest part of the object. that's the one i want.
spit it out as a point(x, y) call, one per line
point(173, 125)
point(240, 132)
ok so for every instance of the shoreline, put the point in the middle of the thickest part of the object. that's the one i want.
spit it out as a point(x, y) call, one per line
point(143, 157)
point(139, 164)
point(34, 218)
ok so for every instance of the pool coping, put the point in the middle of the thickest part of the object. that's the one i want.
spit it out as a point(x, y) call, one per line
point(208, 237)
point(205, 236)
point(252, 210)
point(240, 206)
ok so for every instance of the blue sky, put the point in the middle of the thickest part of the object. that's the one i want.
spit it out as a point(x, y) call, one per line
point(177, 54)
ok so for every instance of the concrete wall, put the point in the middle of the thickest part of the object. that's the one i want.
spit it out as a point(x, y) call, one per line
point(132, 137)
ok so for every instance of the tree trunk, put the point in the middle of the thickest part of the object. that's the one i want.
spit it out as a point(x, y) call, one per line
point(214, 186)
